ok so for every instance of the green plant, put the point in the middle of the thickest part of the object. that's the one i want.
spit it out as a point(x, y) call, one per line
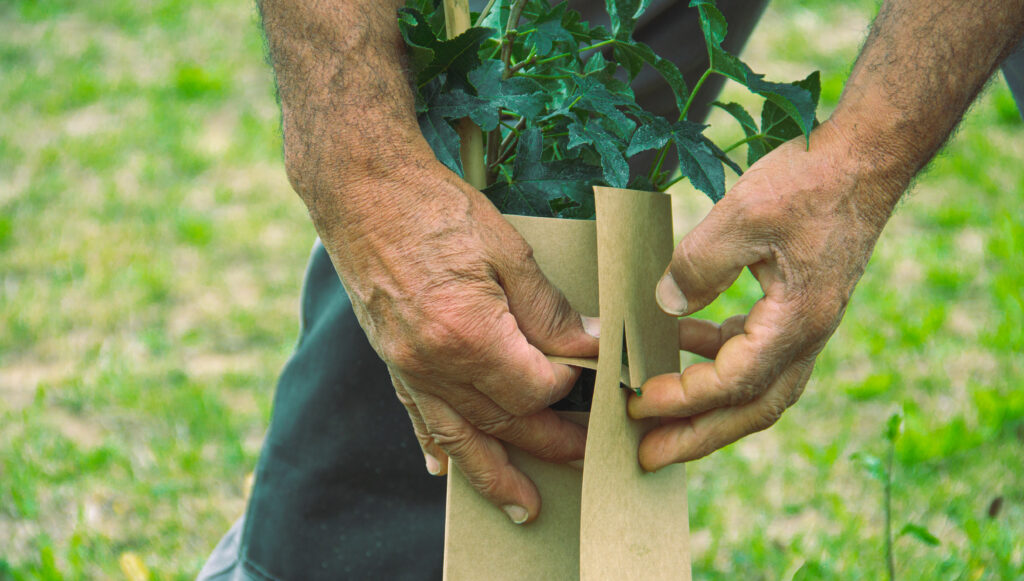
point(552, 95)
point(883, 472)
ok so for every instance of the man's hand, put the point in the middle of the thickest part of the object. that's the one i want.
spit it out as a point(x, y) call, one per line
point(445, 288)
point(452, 300)
point(805, 221)
point(803, 228)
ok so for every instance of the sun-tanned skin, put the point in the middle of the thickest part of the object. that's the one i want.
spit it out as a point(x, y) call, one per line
point(451, 299)
point(805, 223)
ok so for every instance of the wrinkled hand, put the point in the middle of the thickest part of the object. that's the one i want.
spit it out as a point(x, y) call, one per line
point(452, 300)
point(805, 223)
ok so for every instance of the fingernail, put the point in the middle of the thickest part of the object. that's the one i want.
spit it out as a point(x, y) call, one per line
point(670, 298)
point(433, 466)
point(577, 464)
point(517, 514)
point(592, 325)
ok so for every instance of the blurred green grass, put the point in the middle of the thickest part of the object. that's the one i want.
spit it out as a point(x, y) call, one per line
point(150, 259)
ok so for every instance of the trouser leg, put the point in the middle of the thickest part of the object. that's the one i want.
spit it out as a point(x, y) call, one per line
point(1013, 72)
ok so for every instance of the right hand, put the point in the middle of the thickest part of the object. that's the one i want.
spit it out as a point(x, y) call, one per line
point(451, 299)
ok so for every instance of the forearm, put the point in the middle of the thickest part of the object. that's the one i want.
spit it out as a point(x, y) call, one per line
point(923, 64)
point(347, 108)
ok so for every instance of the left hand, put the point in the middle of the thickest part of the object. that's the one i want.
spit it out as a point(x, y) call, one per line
point(805, 223)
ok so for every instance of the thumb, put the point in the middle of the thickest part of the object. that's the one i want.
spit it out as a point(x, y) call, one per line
point(707, 261)
point(545, 316)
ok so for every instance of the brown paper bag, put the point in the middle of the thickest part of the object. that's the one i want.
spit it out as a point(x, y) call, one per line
point(610, 520)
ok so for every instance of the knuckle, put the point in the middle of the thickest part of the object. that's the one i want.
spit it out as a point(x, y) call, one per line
point(454, 442)
point(768, 414)
point(505, 427)
point(443, 336)
point(743, 391)
point(444, 332)
point(518, 253)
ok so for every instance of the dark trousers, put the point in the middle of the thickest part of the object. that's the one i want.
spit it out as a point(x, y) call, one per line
point(341, 491)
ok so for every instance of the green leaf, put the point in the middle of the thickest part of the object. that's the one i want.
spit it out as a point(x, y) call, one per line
point(920, 533)
point(729, 65)
point(419, 38)
point(520, 95)
point(590, 95)
point(712, 21)
point(537, 187)
point(442, 139)
point(609, 147)
point(795, 101)
point(697, 160)
point(431, 56)
point(550, 32)
point(756, 148)
point(894, 427)
point(633, 54)
point(624, 15)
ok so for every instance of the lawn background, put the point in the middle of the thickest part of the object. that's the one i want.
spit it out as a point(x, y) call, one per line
point(151, 253)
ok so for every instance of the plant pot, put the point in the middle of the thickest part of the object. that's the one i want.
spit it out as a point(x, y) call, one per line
point(609, 520)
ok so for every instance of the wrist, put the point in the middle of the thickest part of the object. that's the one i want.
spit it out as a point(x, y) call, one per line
point(874, 160)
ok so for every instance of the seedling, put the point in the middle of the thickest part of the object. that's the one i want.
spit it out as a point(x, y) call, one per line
point(551, 95)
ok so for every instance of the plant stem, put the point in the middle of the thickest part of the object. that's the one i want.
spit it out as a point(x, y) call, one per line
point(655, 173)
point(750, 138)
point(483, 13)
point(693, 93)
point(887, 507)
point(510, 36)
point(565, 54)
point(544, 77)
point(656, 170)
point(513, 134)
point(743, 141)
point(471, 146)
point(673, 182)
point(522, 65)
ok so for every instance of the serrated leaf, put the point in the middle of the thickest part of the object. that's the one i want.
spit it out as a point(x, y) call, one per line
point(653, 133)
point(797, 101)
point(634, 54)
point(756, 148)
point(520, 95)
point(593, 96)
point(442, 138)
point(613, 163)
point(535, 184)
point(712, 21)
point(728, 65)
point(419, 38)
point(624, 15)
point(431, 56)
point(697, 160)
point(721, 155)
point(920, 533)
point(551, 32)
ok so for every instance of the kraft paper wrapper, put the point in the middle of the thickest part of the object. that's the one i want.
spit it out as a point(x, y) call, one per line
point(611, 521)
